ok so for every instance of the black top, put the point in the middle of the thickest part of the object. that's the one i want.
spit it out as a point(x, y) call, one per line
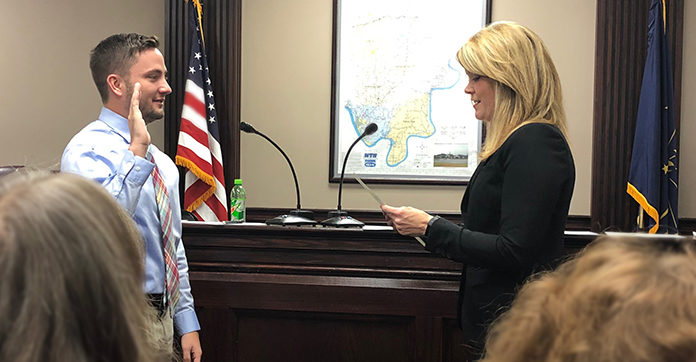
point(513, 218)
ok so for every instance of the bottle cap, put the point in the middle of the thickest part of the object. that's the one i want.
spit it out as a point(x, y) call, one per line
point(238, 181)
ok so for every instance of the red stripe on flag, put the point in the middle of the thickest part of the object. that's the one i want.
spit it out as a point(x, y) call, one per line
point(196, 133)
point(194, 192)
point(188, 154)
point(217, 207)
point(193, 102)
point(218, 172)
point(197, 215)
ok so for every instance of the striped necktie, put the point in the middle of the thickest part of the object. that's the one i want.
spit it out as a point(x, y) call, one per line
point(165, 216)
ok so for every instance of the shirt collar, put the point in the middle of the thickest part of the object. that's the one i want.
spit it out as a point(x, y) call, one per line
point(116, 122)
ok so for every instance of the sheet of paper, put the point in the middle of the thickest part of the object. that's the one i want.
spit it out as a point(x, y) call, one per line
point(379, 201)
point(369, 190)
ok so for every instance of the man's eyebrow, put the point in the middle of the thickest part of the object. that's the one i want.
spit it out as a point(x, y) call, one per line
point(155, 72)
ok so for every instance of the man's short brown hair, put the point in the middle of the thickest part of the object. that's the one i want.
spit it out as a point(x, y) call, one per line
point(115, 55)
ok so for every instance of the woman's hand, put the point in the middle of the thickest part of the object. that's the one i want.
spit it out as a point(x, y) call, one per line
point(407, 220)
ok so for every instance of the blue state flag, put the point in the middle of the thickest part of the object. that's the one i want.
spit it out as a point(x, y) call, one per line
point(654, 179)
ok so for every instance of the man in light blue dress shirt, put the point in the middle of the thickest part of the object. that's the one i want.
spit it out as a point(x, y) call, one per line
point(114, 150)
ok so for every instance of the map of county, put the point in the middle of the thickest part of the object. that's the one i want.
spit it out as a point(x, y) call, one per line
point(408, 119)
point(397, 69)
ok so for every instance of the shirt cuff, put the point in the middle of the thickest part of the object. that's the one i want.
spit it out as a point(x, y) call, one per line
point(186, 322)
point(137, 169)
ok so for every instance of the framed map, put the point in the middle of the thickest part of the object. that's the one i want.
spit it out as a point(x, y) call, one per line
point(395, 65)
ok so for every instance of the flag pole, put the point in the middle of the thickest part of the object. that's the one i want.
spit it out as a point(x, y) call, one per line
point(199, 12)
point(640, 218)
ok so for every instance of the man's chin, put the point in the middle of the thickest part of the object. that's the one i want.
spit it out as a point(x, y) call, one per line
point(152, 117)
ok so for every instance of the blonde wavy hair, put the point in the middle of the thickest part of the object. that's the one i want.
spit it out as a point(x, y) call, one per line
point(72, 271)
point(621, 299)
point(527, 85)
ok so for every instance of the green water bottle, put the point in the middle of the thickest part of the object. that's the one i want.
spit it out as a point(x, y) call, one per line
point(238, 202)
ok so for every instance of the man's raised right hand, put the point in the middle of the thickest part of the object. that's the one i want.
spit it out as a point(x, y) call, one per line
point(140, 138)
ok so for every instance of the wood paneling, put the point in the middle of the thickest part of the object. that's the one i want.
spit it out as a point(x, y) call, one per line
point(323, 294)
point(315, 294)
point(261, 214)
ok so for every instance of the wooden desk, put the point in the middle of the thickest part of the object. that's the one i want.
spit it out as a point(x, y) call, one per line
point(321, 294)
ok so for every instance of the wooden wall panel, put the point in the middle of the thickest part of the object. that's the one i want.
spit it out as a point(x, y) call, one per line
point(323, 294)
point(316, 294)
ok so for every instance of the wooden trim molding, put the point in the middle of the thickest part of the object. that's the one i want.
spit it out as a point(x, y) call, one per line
point(261, 214)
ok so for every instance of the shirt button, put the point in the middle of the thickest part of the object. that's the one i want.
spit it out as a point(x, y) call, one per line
point(137, 168)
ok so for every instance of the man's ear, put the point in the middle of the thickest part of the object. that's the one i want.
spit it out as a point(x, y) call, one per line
point(117, 85)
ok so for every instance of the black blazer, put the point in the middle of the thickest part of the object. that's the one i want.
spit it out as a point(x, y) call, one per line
point(513, 218)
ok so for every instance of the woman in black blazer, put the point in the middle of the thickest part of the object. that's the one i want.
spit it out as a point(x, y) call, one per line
point(515, 207)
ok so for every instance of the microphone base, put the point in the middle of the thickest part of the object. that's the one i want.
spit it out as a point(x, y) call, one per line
point(308, 214)
point(296, 217)
point(340, 218)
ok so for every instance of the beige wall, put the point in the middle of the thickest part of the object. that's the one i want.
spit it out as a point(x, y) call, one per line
point(48, 94)
point(47, 90)
point(687, 148)
point(286, 87)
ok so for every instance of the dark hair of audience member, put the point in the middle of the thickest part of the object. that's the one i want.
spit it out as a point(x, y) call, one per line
point(72, 273)
point(621, 299)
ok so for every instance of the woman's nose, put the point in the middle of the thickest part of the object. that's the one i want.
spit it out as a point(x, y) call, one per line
point(469, 89)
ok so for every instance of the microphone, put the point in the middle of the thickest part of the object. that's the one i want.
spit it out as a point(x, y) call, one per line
point(339, 217)
point(297, 216)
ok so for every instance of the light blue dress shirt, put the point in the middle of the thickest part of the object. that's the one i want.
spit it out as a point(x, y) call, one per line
point(100, 152)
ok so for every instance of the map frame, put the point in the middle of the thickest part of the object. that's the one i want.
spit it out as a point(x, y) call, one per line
point(338, 131)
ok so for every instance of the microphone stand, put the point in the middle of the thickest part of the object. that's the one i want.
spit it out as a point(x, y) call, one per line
point(338, 217)
point(294, 217)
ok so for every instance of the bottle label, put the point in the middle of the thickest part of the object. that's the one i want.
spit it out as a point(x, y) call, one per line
point(237, 210)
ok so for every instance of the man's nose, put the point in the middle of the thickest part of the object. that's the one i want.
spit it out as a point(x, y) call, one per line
point(166, 89)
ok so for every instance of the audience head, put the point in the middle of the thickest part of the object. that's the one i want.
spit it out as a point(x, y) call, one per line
point(115, 55)
point(527, 87)
point(72, 273)
point(621, 299)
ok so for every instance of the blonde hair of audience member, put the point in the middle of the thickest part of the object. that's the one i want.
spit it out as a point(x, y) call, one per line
point(622, 299)
point(528, 88)
point(72, 273)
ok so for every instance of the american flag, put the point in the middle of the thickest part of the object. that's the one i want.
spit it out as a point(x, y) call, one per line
point(198, 149)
